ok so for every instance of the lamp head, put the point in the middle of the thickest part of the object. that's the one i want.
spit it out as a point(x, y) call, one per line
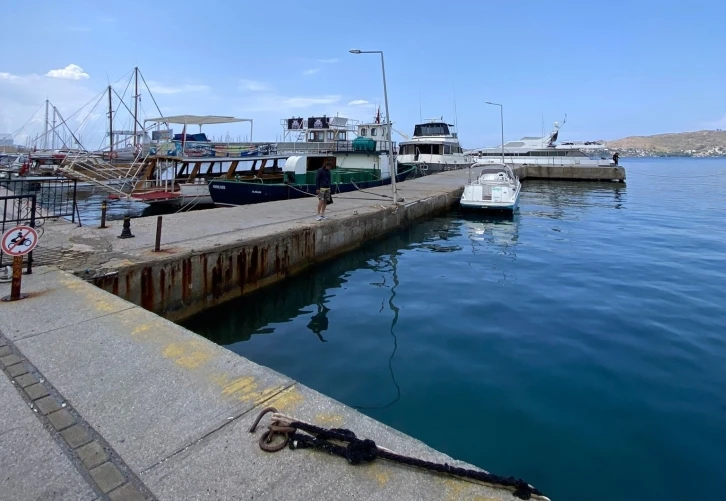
point(354, 51)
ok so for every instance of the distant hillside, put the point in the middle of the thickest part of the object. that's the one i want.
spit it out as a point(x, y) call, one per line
point(703, 143)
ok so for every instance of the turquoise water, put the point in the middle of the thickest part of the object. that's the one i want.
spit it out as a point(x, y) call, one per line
point(584, 339)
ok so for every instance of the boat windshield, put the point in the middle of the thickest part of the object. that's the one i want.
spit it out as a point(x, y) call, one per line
point(493, 170)
point(431, 129)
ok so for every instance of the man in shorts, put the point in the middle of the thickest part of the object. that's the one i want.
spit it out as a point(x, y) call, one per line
point(322, 189)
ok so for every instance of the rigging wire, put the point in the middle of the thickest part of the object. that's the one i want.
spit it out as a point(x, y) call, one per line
point(150, 94)
point(29, 120)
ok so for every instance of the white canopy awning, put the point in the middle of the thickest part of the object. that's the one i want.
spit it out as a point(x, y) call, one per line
point(198, 119)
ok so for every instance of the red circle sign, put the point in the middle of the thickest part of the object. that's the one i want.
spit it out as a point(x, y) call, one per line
point(19, 240)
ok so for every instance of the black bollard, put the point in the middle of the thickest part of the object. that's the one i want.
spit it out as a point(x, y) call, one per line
point(126, 232)
point(104, 207)
point(157, 245)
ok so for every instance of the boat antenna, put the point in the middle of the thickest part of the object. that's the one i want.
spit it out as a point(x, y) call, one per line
point(456, 116)
point(420, 112)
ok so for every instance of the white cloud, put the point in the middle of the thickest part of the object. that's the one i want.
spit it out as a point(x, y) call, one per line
point(311, 71)
point(306, 102)
point(281, 105)
point(159, 88)
point(22, 100)
point(328, 61)
point(359, 102)
point(70, 72)
point(80, 102)
point(251, 86)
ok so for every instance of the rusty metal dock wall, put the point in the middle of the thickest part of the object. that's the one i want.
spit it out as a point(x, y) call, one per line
point(188, 283)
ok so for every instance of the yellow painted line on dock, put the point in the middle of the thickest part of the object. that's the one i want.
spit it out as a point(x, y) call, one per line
point(95, 296)
point(329, 420)
point(189, 354)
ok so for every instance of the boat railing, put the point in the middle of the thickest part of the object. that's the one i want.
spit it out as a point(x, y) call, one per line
point(535, 161)
point(330, 147)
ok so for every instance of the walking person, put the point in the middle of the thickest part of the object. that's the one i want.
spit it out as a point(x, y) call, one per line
point(322, 189)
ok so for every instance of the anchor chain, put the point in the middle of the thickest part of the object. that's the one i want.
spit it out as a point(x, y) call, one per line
point(284, 431)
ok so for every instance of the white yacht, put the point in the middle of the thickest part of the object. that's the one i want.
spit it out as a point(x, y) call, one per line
point(496, 187)
point(433, 148)
point(545, 151)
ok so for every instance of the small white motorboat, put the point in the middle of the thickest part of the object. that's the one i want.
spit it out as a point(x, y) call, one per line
point(495, 188)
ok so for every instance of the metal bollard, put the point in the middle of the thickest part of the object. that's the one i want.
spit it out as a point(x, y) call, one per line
point(104, 206)
point(15, 285)
point(157, 245)
point(126, 232)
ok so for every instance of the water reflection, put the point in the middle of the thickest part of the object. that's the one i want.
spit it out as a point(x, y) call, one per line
point(311, 293)
point(319, 322)
point(498, 235)
point(393, 264)
point(309, 301)
point(561, 199)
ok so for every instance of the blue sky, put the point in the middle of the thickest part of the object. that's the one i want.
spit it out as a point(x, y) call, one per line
point(616, 68)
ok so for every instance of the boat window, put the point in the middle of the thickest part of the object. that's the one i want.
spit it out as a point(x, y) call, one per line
point(363, 132)
point(331, 135)
point(428, 149)
point(316, 136)
point(374, 131)
point(431, 129)
point(447, 149)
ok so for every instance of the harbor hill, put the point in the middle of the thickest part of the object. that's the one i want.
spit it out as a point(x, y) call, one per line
point(702, 143)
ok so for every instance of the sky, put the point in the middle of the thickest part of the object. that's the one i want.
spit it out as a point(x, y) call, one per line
point(615, 68)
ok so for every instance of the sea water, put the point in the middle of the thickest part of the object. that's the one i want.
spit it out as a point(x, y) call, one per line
point(580, 344)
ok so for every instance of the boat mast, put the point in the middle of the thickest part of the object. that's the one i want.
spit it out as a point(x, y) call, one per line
point(136, 102)
point(110, 124)
point(45, 134)
point(53, 129)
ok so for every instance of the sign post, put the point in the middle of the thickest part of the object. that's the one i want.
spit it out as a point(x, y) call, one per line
point(17, 242)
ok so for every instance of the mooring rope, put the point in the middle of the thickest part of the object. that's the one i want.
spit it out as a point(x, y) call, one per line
point(359, 451)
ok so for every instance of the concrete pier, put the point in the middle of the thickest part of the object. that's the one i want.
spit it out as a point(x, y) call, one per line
point(102, 399)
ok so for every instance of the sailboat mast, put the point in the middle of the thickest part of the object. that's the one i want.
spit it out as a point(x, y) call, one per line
point(136, 102)
point(53, 129)
point(110, 124)
point(45, 134)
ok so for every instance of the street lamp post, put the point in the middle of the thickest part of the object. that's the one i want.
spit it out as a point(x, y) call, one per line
point(501, 117)
point(391, 163)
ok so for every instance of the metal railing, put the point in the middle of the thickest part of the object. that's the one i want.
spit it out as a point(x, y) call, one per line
point(31, 201)
point(329, 147)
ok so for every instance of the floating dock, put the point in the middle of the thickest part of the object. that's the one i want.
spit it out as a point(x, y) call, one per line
point(105, 398)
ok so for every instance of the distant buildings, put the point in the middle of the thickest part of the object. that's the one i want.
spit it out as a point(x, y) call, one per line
point(6, 140)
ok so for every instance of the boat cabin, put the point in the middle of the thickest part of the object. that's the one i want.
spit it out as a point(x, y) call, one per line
point(431, 138)
point(322, 129)
point(323, 134)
